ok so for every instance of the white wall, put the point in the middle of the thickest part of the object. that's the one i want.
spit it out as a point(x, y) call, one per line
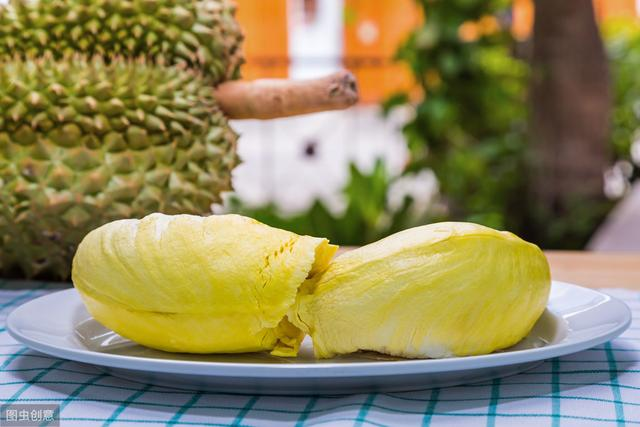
point(276, 169)
point(315, 41)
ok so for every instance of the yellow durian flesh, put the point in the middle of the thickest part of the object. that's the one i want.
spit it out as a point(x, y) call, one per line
point(183, 283)
point(440, 290)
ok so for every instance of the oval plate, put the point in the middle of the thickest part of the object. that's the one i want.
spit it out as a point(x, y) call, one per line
point(57, 324)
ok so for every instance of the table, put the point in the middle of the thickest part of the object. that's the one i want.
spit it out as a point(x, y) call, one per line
point(596, 269)
point(600, 386)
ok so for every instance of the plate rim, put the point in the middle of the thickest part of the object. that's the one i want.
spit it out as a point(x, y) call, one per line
point(321, 370)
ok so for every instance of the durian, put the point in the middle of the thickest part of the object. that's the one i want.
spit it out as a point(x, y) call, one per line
point(440, 290)
point(83, 142)
point(222, 283)
point(200, 33)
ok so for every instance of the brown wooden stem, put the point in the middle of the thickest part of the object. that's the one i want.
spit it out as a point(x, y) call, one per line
point(273, 98)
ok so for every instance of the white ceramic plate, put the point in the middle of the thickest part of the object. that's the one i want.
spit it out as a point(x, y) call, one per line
point(57, 324)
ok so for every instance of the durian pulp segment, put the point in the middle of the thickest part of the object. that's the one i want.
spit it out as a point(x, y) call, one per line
point(220, 284)
point(83, 142)
point(447, 289)
point(201, 34)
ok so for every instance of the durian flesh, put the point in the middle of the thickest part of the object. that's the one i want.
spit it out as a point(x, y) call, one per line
point(445, 289)
point(217, 284)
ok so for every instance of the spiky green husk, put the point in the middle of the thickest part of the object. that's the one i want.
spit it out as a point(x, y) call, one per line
point(83, 143)
point(201, 33)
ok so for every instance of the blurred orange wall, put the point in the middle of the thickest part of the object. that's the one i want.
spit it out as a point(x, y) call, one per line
point(614, 8)
point(373, 32)
point(523, 13)
point(522, 19)
point(264, 23)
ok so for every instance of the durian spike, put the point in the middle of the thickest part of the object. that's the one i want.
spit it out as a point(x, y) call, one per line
point(274, 98)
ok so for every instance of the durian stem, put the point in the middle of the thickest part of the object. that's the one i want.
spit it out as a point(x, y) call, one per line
point(273, 98)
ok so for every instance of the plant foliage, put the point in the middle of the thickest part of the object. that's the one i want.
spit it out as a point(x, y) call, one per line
point(470, 126)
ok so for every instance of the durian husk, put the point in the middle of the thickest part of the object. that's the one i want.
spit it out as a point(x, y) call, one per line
point(83, 143)
point(184, 283)
point(202, 34)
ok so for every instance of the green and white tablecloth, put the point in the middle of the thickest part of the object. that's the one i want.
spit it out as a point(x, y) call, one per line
point(600, 387)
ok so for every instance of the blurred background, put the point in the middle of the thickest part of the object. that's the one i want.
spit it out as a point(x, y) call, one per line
point(520, 115)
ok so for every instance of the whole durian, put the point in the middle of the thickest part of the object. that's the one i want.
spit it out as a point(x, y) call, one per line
point(200, 33)
point(84, 142)
point(185, 283)
point(440, 290)
point(107, 111)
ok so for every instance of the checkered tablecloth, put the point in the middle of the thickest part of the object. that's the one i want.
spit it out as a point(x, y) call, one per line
point(600, 386)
